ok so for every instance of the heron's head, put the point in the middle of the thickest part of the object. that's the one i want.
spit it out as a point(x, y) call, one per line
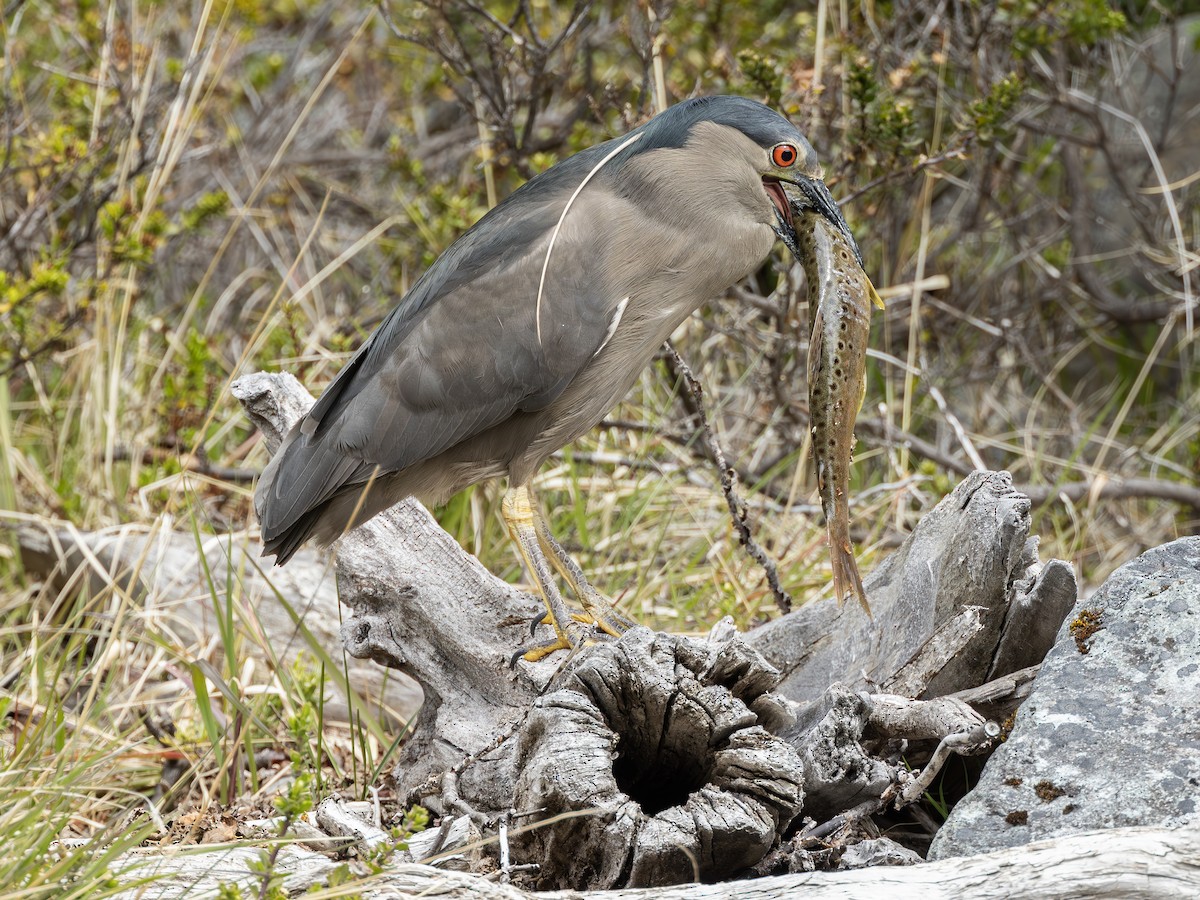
point(754, 147)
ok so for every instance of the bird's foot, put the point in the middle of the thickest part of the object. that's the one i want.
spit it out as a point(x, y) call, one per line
point(598, 621)
point(576, 635)
point(598, 610)
point(534, 541)
point(601, 612)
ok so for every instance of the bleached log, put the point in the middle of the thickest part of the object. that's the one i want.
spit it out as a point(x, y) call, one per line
point(183, 583)
point(1150, 863)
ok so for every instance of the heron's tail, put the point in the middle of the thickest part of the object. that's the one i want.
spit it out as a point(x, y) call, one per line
point(303, 490)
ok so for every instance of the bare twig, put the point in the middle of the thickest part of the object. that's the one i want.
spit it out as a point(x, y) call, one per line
point(920, 720)
point(188, 462)
point(881, 432)
point(737, 506)
point(964, 743)
point(1012, 689)
point(811, 837)
point(1113, 488)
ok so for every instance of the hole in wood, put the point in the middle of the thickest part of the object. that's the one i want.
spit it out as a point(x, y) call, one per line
point(659, 780)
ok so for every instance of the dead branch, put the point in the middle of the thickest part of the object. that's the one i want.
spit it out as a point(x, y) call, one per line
point(1114, 488)
point(737, 506)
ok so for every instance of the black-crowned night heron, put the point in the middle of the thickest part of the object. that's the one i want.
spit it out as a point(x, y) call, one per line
point(537, 321)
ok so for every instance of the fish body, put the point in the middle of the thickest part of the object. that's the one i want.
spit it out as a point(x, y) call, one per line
point(837, 355)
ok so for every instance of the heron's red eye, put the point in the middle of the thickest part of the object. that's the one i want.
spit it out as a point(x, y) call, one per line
point(785, 155)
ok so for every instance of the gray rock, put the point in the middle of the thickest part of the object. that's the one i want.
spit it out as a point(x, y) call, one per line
point(1110, 735)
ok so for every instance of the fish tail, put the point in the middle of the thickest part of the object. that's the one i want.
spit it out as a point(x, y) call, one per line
point(846, 579)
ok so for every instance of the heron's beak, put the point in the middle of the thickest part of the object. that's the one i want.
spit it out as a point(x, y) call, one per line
point(805, 197)
point(809, 195)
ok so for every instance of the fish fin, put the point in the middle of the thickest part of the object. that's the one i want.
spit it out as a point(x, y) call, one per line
point(875, 298)
point(814, 345)
point(846, 579)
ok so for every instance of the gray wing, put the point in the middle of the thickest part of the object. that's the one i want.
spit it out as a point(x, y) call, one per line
point(472, 361)
point(459, 355)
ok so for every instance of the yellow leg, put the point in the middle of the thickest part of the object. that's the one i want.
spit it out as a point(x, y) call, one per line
point(597, 606)
point(519, 517)
point(540, 551)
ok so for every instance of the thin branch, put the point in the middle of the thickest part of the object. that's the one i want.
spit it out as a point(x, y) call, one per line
point(737, 506)
point(1106, 488)
point(187, 462)
point(958, 151)
point(1013, 687)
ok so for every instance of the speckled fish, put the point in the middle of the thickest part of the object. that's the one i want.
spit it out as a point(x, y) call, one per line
point(837, 357)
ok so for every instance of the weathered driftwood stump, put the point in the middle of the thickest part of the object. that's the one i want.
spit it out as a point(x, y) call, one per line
point(667, 740)
point(971, 552)
point(656, 759)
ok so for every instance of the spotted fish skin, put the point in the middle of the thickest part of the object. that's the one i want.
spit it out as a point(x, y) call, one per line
point(842, 296)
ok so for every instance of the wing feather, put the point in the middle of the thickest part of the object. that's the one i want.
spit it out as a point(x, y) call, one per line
point(456, 357)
